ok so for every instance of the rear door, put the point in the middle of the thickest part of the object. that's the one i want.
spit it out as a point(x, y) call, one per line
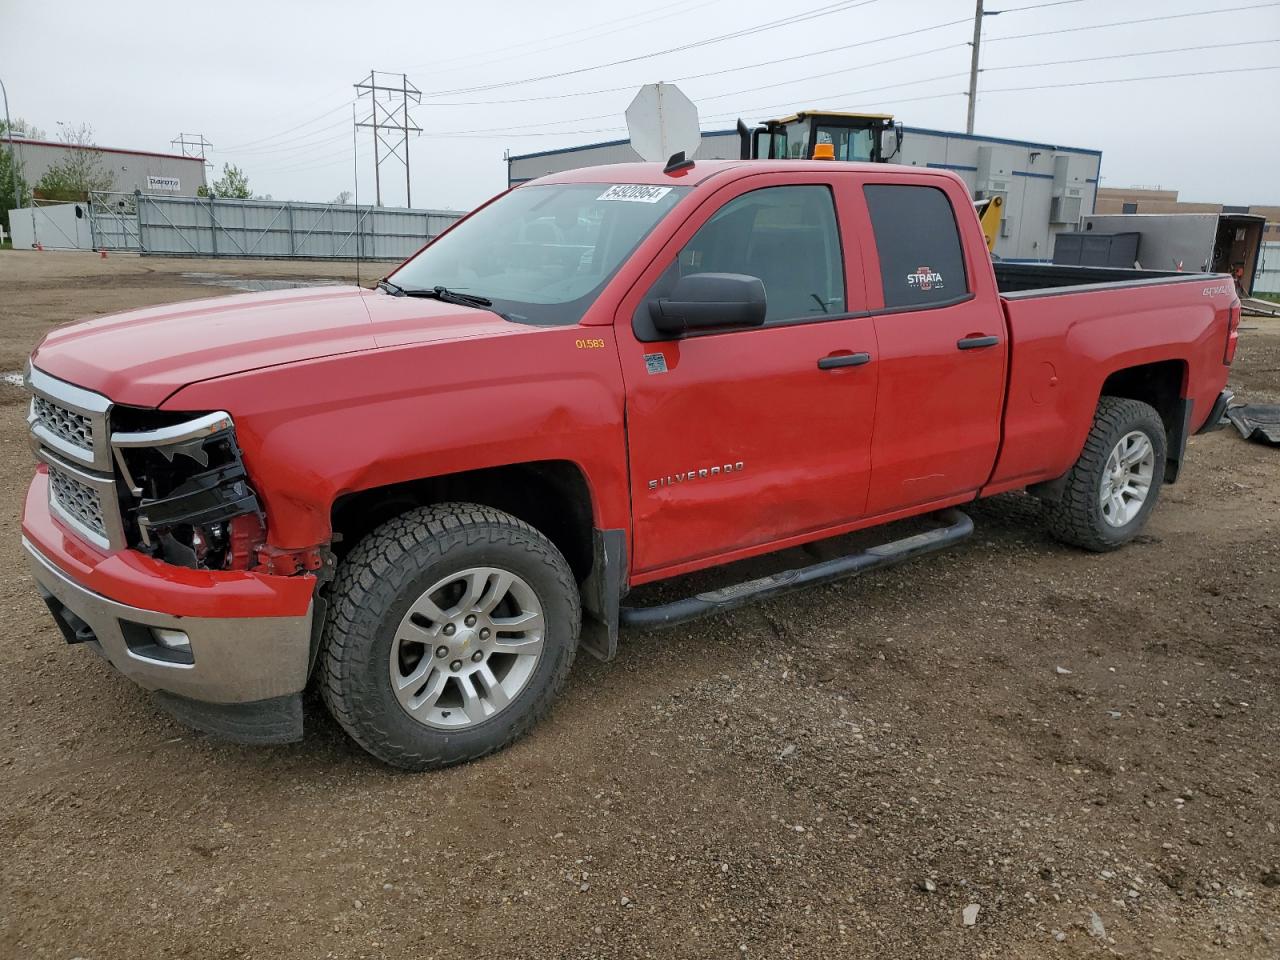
point(739, 438)
point(941, 336)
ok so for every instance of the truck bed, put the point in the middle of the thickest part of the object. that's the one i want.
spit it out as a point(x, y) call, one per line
point(1046, 279)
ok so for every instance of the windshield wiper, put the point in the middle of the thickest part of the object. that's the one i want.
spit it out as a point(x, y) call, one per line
point(443, 294)
point(452, 296)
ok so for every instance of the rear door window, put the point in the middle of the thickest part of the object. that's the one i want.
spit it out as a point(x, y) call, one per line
point(918, 242)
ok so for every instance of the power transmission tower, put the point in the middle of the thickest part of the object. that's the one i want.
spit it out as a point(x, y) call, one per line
point(389, 97)
point(193, 145)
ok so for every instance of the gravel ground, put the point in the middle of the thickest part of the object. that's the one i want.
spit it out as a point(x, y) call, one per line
point(1077, 753)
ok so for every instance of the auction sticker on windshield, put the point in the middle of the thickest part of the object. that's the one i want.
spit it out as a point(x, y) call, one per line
point(635, 193)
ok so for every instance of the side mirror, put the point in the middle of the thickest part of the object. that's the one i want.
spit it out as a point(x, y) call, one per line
point(890, 142)
point(704, 301)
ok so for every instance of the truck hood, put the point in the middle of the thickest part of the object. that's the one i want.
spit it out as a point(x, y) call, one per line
point(143, 356)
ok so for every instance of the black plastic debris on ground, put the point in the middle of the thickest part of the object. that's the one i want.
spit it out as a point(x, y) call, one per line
point(1257, 421)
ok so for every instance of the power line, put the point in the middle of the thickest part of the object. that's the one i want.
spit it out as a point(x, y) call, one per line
point(747, 111)
point(680, 8)
point(1126, 23)
point(1125, 56)
point(509, 130)
point(831, 73)
point(1035, 6)
point(935, 96)
point(325, 136)
point(684, 10)
point(540, 44)
point(770, 63)
point(696, 76)
point(614, 113)
point(1163, 76)
point(280, 133)
point(811, 14)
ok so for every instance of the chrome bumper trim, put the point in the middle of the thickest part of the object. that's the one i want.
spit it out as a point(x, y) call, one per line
point(235, 659)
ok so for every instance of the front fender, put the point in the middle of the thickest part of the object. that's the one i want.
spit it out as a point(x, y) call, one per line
point(315, 430)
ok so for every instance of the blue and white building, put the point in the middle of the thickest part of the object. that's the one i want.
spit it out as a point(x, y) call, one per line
point(1046, 187)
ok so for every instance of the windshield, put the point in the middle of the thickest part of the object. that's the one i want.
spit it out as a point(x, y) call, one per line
point(849, 143)
point(542, 253)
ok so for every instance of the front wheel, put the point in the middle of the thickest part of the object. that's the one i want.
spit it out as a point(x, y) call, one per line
point(451, 630)
point(1115, 483)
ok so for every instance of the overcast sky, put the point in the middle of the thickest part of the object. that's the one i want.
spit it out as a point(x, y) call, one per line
point(270, 84)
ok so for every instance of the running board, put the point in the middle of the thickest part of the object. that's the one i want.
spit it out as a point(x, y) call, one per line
point(959, 527)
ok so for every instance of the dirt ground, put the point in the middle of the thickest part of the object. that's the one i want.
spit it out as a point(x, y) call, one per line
point(1085, 747)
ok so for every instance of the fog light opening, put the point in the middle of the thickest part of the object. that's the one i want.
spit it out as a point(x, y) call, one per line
point(172, 639)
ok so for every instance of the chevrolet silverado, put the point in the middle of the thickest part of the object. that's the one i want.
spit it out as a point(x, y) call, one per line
point(423, 497)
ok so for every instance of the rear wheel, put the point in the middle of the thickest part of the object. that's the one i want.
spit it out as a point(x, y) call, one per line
point(452, 629)
point(1115, 483)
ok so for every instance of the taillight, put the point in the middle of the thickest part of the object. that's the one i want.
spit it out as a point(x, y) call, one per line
point(1233, 333)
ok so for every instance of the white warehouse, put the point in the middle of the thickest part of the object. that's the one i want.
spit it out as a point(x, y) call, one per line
point(1046, 188)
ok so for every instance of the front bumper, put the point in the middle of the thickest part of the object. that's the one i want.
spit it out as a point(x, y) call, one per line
point(232, 659)
point(249, 635)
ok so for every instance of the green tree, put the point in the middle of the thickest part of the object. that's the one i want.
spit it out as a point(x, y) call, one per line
point(233, 183)
point(14, 189)
point(79, 172)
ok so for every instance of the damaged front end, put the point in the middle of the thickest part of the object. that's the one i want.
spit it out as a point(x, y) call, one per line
point(185, 495)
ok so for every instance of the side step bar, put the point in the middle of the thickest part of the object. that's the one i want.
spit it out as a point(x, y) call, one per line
point(959, 527)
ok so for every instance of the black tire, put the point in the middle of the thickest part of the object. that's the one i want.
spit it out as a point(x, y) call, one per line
point(1076, 518)
point(379, 581)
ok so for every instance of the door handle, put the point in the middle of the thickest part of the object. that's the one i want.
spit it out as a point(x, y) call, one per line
point(976, 343)
point(844, 360)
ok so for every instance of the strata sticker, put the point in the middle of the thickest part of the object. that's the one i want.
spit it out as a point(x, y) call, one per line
point(634, 193)
point(925, 278)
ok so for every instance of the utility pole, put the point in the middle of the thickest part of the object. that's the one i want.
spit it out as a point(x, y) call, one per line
point(8, 135)
point(973, 67)
point(389, 114)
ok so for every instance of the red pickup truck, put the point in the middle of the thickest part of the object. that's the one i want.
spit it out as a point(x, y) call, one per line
point(424, 496)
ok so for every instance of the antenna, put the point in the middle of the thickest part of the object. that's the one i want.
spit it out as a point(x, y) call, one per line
point(355, 175)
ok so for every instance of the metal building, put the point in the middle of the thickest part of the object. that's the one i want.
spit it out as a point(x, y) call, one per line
point(166, 173)
point(1046, 188)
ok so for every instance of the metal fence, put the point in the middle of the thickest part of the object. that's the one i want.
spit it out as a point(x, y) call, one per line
point(113, 218)
point(208, 227)
point(55, 226)
point(1267, 279)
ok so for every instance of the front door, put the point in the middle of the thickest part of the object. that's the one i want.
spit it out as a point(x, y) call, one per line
point(739, 438)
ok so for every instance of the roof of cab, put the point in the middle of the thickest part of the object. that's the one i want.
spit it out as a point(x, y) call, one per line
point(702, 170)
point(802, 114)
